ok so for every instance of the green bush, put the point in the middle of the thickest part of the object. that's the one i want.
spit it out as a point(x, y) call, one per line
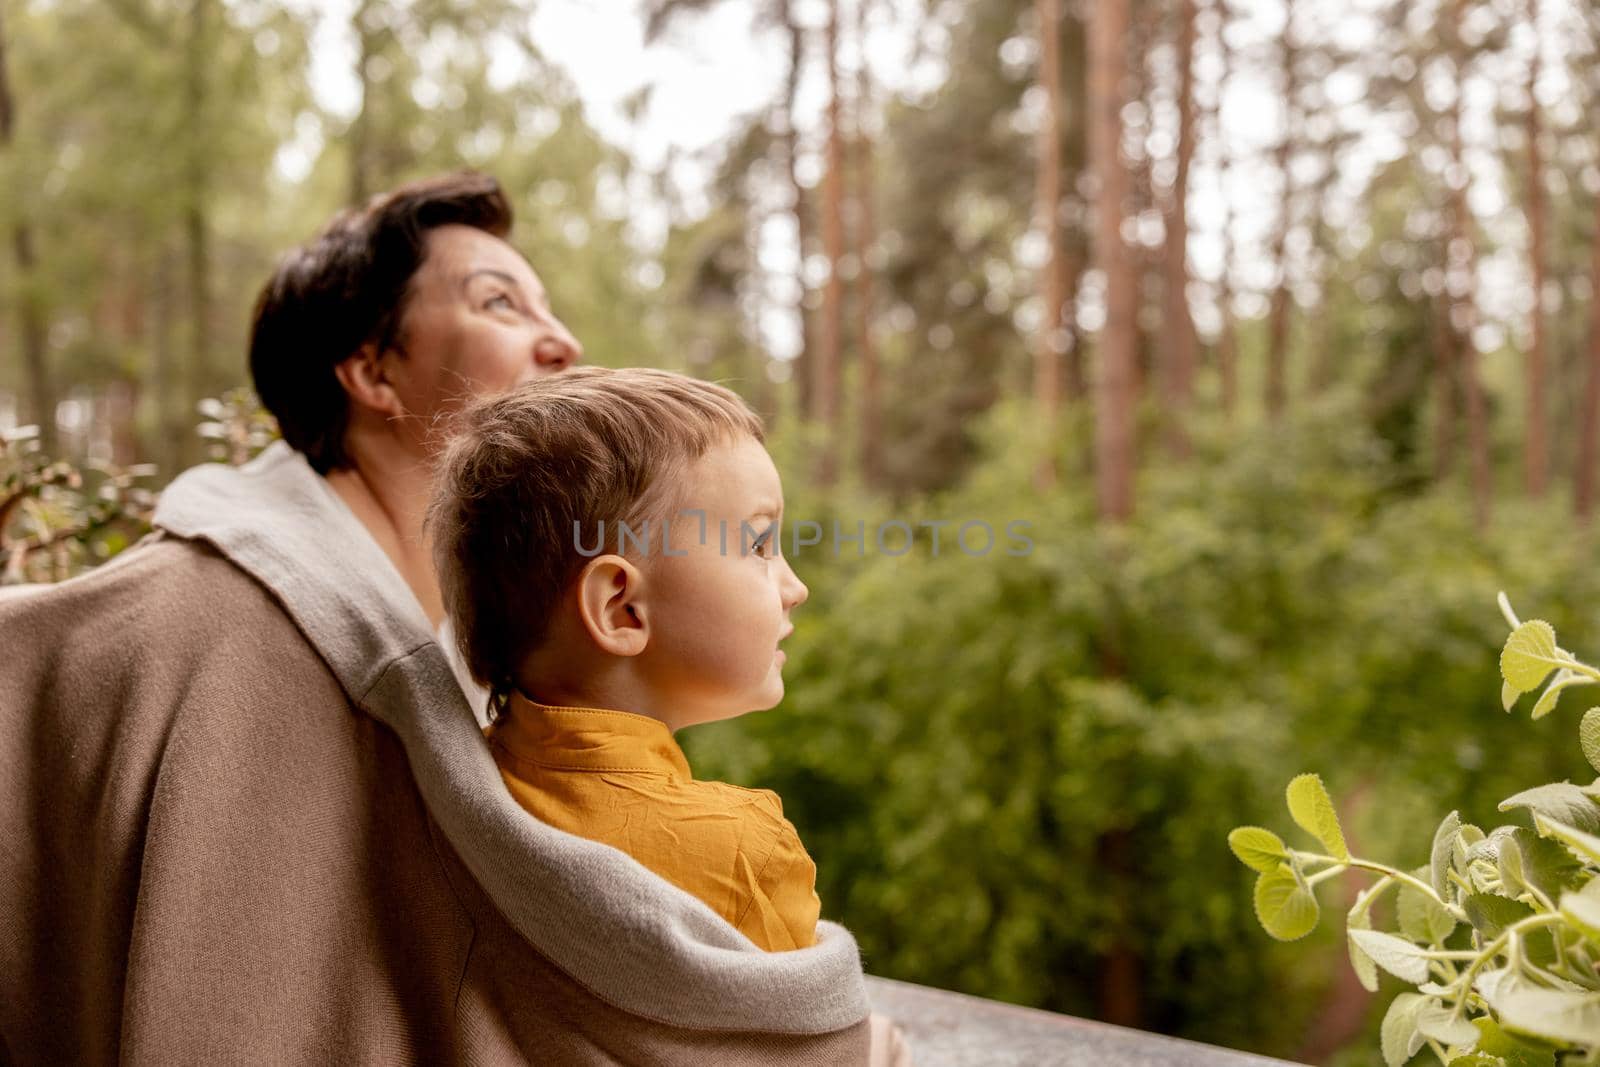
point(1009, 769)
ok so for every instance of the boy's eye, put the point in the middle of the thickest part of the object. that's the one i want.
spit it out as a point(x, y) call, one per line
point(764, 541)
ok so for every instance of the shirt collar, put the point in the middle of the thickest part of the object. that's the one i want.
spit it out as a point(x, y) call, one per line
point(589, 739)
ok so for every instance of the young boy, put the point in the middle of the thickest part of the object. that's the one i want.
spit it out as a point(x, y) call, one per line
point(608, 551)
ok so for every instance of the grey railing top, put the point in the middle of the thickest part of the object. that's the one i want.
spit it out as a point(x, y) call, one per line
point(953, 1030)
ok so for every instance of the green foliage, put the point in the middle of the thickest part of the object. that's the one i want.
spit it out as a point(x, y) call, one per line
point(1256, 848)
point(1312, 810)
point(1008, 768)
point(57, 518)
point(1285, 905)
point(1529, 902)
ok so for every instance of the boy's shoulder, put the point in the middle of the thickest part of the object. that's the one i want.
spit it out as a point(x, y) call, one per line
point(764, 800)
point(763, 807)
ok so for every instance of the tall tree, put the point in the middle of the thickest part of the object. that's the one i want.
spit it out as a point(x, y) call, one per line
point(1227, 345)
point(1179, 335)
point(1589, 413)
point(198, 53)
point(796, 34)
point(830, 349)
point(1050, 341)
point(1446, 361)
point(1461, 268)
point(1119, 336)
point(779, 14)
point(366, 22)
point(1282, 297)
point(871, 414)
point(31, 313)
point(1074, 101)
point(1536, 457)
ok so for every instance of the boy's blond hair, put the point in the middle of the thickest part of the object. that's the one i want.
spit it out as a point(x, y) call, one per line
point(529, 468)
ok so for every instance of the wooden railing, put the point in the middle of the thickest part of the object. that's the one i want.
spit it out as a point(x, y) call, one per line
point(953, 1030)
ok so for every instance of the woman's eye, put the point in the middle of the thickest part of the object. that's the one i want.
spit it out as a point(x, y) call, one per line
point(499, 300)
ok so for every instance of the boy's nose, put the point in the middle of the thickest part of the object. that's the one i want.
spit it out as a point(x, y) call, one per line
point(795, 592)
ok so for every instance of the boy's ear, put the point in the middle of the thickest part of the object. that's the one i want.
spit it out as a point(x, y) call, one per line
point(365, 378)
point(611, 603)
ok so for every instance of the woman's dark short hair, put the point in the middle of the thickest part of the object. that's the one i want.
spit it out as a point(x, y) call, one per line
point(347, 288)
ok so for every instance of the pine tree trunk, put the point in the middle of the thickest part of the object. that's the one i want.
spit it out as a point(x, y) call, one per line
point(1537, 456)
point(1227, 346)
point(866, 237)
point(802, 218)
point(197, 231)
point(1323, 340)
point(1589, 413)
point(163, 387)
point(1142, 39)
point(361, 126)
point(1282, 298)
point(1178, 380)
point(1460, 280)
point(830, 355)
point(32, 329)
point(1445, 362)
point(1050, 342)
point(1114, 386)
point(1075, 240)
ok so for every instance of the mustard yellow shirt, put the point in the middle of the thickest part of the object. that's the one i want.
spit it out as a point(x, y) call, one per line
point(621, 779)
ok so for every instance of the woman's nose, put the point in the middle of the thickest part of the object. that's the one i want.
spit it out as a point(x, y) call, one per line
point(557, 349)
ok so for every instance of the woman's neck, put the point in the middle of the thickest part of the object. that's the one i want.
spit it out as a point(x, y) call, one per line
point(389, 494)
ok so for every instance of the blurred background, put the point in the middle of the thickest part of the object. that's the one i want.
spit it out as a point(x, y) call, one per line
point(1276, 321)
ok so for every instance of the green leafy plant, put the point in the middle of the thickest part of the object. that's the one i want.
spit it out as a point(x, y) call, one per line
point(56, 517)
point(59, 518)
point(1499, 932)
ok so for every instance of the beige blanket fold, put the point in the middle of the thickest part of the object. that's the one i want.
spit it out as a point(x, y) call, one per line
point(246, 815)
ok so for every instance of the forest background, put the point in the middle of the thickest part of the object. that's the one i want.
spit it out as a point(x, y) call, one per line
point(1277, 323)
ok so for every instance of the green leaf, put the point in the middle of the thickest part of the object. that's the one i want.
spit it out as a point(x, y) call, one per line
point(1443, 1024)
point(1589, 737)
point(1423, 918)
point(1546, 864)
point(1490, 913)
point(1285, 905)
point(1529, 655)
point(1512, 1050)
point(1443, 845)
point(1585, 846)
point(1258, 849)
point(1547, 700)
point(1394, 954)
point(1564, 679)
point(1508, 696)
point(1512, 878)
point(1476, 1059)
point(1312, 810)
point(1582, 909)
point(1400, 1037)
point(1561, 801)
point(1360, 918)
point(1551, 1014)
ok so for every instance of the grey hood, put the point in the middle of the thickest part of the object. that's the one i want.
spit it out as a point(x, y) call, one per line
point(630, 936)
